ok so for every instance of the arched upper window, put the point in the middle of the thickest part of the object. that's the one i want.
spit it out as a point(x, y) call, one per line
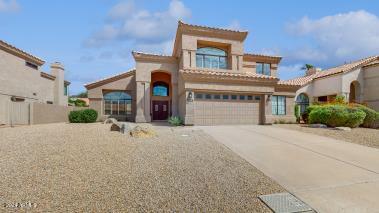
point(303, 101)
point(118, 95)
point(210, 57)
point(160, 89)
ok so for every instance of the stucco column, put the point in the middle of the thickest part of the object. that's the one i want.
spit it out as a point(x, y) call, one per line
point(174, 99)
point(189, 116)
point(267, 109)
point(143, 102)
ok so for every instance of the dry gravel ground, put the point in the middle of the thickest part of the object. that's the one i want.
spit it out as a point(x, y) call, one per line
point(363, 136)
point(87, 168)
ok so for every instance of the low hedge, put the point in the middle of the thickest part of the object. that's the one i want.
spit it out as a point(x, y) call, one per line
point(83, 116)
point(372, 117)
point(336, 115)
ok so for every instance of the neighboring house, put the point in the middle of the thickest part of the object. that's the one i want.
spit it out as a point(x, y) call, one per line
point(208, 80)
point(22, 81)
point(357, 81)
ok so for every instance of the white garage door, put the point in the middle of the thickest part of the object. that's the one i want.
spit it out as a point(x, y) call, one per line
point(219, 109)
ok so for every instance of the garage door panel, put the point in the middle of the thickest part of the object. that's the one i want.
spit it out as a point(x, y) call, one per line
point(212, 112)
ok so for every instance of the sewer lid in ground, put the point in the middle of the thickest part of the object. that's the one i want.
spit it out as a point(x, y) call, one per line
point(285, 202)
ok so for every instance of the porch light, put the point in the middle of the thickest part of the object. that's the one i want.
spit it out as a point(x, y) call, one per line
point(190, 97)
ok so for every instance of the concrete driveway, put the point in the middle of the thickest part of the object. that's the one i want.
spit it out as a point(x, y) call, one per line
point(329, 175)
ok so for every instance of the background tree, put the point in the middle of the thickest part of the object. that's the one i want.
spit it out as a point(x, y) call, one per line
point(307, 67)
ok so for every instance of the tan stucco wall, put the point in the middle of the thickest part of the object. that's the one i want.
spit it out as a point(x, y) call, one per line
point(144, 70)
point(95, 95)
point(17, 79)
point(189, 45)
point(371, 87)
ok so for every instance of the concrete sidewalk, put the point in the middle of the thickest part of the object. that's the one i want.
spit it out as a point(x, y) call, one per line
point(329, 175)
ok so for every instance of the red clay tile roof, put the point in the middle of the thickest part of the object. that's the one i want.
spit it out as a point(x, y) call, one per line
point(246, 75)
point(21, 52)
point(328, 72)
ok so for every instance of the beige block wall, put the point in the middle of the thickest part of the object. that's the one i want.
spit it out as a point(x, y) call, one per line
point(50, 113)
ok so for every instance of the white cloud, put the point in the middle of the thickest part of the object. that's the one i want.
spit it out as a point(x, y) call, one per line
point(290, 71)
point(9, 6)
point(121, 10)
point(344, 36)
point(140, 26)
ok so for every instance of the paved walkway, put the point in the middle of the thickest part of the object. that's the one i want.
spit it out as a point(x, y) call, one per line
point(329, 175)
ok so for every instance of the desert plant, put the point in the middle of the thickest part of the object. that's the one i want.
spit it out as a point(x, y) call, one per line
point(175, 121)
point(83, 116)
point(339, 100)
point(337, 115)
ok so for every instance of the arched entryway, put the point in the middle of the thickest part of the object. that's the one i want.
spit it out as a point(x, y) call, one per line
point(354, 96)
point(303, 101)
point(161, 93)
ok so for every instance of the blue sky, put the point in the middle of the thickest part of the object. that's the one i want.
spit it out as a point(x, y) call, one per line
point(94, 38)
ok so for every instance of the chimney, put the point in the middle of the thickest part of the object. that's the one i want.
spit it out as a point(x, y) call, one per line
point(312, 71)
point(57, 70)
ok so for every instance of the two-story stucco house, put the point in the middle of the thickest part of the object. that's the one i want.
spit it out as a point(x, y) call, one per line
point(357, 81)
point(21, 80)
point(208, 80)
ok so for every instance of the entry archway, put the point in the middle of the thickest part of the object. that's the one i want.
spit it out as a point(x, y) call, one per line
point(355, 88)
point(303, 101)
point(161, 93)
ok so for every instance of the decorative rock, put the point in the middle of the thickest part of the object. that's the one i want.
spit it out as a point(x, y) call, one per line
point(116, 127)
point(343, 128)
point(142, 132)
point(318, 126)
point(110, 121)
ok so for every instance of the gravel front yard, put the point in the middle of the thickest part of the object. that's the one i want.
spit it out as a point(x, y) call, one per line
point(87, 168)
point(363, 136)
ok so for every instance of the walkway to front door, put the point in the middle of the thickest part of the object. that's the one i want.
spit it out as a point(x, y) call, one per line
point(329, 175)
point(160, 110)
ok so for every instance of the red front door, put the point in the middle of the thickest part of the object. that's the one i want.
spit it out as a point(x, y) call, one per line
point(160, 110)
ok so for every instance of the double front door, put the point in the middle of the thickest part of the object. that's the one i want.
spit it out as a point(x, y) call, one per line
point(160, 110)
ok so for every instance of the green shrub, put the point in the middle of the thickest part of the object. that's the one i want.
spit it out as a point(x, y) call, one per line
point(337, 115)
point(175, 121)
point(372, 117)
point(83, 116)
point(305, 115)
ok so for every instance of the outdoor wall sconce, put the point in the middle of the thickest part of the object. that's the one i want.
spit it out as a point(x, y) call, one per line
point(268, 98)
point(190, 97)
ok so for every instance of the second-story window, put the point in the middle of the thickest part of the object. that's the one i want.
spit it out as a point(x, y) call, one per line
point(210, 57)
point(263, 69)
